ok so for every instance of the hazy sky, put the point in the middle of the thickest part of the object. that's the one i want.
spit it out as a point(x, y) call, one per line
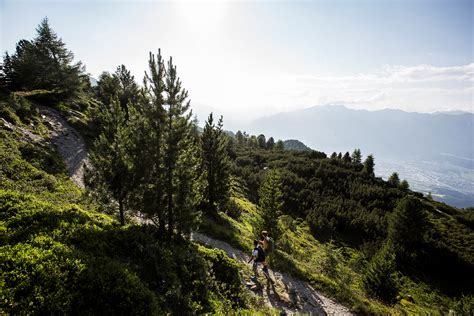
point(247, 59)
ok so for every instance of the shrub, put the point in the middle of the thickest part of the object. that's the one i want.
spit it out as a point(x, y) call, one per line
point(379, 277)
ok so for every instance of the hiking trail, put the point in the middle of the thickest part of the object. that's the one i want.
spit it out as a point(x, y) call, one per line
point(69, 142)
point(300, 297)
point(297, 297)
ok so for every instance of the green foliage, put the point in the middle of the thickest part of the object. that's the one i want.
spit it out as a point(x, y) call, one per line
point(43, 63)
point(270, 203)
point(110, 173)
point(394, 180)
point(356, 156)
point(121, 84)
point(369, 165)
point(407, 225)
point(216, 165)
point(379, 276)
point(65, 259)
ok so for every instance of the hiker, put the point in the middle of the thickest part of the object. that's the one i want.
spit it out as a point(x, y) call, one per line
point(258, 257)
point(267, 243)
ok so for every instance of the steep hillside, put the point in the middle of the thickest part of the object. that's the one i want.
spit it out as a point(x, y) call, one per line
point(61, 254)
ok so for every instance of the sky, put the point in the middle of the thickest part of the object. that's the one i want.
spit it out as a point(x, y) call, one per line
point(256, 58)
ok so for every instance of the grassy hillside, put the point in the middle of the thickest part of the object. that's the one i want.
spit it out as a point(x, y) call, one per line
point(335, 219)
point(60, 254)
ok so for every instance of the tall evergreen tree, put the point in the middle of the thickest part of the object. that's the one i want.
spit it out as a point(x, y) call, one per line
point(111, 163)
point(121, 83)
point(216, 164)
point(148, 121)
point(271, 202)
point(180, 157)
point(347, 157)
point(357, 156)
point(270, 143)
point(369, 165)
point(379, 277)
point(261, 141)
point(43, 63)
point(407, 225)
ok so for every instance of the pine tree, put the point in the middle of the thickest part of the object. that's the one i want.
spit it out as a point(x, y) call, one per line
point(404, 185)
point(261, 141)
point(356, 156)
point(271, 202)
point(347, 157)
point(369, 165)
point(407, 225)
point(121, 83)
point(270, 143)
point(334, 156)
point(216, 164)
point(379, 277)
point(394, 180)
point(148, 121)
point(111, 164)
point(180, 157)
point(44, 63)
point(240, 138)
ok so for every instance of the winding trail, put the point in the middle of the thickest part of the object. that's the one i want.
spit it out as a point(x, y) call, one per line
point(290, 295)
point(69, 142)
point(299, 296)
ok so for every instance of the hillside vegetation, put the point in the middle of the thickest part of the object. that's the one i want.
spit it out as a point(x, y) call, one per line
point(122, 245)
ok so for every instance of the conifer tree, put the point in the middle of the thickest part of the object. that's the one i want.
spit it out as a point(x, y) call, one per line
point(110, 160)
point(43, 63)
point(334, 155)
point(369, 165)
point(379, 277)
point(261, 141)
point(216, 164)
point(180, 157)
point(394, 180)
point(407, 225)
point(121, 83)
point(240, 138)
point(347, 157)
point(404, 185)
point(356, 156)
point(148, 124)
point(339, 156)
point(271, 202)
point(270, 143)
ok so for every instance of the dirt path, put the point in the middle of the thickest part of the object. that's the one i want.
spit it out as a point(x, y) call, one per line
point(69, 143)
point(300, 296)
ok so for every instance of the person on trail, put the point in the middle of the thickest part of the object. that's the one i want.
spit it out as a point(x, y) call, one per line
point(258, 257)
point(266, 240)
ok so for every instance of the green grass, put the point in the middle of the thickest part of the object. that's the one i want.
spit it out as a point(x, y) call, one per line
point(336, 270)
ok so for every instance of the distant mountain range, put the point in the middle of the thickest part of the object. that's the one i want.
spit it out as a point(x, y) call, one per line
point(434, 152)
point(387, 133)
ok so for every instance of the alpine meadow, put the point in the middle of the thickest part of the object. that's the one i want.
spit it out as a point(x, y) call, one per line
point(116, 199)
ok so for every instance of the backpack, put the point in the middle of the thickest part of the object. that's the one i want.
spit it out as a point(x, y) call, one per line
point(261, 255)
point(271, 245)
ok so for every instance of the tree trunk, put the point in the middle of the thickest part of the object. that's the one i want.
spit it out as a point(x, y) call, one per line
point(122, 217)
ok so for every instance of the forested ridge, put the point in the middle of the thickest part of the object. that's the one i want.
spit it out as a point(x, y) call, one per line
point(122, 244)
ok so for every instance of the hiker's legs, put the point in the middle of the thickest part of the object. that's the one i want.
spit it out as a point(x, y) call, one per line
point(255, 269)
